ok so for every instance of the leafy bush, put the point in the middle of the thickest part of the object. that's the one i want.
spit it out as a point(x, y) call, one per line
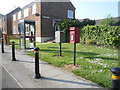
point(101, 35)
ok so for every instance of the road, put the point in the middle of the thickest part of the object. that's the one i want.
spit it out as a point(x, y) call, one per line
point(8, 81)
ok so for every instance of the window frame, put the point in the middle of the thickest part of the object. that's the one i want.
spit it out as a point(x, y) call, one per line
point(70, 14)
point(34, 7)
point(14, 17)
point(14, 30)
point(26, 12)
point(19, 15)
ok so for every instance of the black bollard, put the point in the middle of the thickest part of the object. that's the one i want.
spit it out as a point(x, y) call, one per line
point(13, 51)
point(2, 45)
point(115, 78)
point(37, 74)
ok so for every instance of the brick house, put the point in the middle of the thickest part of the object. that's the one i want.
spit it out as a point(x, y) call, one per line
point(8, 21)
point(45, 15)
point(2, 23)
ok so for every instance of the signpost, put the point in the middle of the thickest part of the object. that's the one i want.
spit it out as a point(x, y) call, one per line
point(74, 38)
point(60, 38)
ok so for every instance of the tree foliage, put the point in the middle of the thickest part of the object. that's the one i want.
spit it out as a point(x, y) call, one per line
point(67, 23)
point(108, 21)
point(88, 22)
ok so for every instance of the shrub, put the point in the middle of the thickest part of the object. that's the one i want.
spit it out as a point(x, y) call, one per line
point(101, 35)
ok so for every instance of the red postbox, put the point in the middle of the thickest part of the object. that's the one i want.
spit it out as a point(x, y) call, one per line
point(74, 35)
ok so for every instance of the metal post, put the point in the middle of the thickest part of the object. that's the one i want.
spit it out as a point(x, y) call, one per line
point(2, 45)
point(13, 51)
point(119, 56)
point(74, 54)
point(115, 78)
point(60, 49)
point(37, 74)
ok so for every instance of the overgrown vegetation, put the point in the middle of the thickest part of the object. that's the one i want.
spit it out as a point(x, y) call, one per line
point(101, 35)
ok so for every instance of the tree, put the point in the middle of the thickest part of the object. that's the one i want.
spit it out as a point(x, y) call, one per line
point(87, 21)
point(108, 21)
point(67, 23)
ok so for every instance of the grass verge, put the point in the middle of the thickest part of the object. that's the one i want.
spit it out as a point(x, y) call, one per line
point(95, 62)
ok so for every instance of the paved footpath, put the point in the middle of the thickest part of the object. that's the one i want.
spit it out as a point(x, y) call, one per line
point(22, 71)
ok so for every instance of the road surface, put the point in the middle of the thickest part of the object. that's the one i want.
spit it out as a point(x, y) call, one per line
point(8, 81)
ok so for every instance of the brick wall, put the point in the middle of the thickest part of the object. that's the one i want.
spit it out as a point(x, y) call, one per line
point(9, 20)
point(44, 26)
point(30, 17)
point(54, 10)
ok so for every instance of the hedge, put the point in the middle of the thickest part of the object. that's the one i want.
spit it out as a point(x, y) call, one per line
point(101, 35)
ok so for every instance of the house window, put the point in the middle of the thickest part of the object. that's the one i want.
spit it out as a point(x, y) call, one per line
point(26, 12)
point(70, 14)
point(14, 17)
point(19, 15)
point(14, 30)
point(34, 9)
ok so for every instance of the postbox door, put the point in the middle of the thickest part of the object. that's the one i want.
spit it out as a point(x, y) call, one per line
point(72, 36)
point(77, 35)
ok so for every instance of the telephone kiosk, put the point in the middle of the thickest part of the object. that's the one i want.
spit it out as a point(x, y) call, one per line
point(27, 29)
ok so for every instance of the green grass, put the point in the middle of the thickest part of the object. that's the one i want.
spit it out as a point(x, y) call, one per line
point(95, 61)
point(17, 43)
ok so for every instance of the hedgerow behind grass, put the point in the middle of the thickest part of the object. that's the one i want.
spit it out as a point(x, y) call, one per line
point(101, 35)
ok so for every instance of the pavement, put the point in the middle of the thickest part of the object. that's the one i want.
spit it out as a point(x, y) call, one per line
point(23, 71)
point(8, 81)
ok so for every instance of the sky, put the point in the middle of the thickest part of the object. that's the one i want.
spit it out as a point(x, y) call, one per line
point(92, 9)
